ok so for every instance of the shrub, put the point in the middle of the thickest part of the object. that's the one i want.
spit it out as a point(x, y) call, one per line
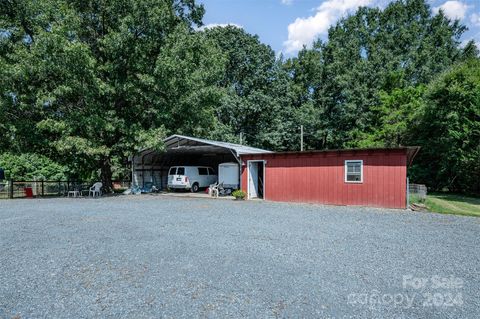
point(238, 194)
point(31, 166)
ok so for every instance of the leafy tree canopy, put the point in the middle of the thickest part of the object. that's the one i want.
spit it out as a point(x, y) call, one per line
point(449, 131)
point(31, 167)
point(370, 52)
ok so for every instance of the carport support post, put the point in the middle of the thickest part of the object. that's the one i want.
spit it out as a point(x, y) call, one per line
point(239, 160)
point(161, 174)
point(133, 164)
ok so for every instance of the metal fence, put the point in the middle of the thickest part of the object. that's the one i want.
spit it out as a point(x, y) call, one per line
point(416, 193)
point(21, 189)
point(418, 190)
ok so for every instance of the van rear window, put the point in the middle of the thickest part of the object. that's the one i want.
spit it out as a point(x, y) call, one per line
point(202, 171)
point(172, 171)
point(181, 171)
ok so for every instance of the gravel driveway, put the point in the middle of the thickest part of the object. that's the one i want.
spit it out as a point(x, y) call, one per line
point(157, 256)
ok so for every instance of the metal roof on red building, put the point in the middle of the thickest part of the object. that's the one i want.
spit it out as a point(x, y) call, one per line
point(411, 152)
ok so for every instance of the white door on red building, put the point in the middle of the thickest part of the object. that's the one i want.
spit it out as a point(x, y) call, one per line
point(253, 180)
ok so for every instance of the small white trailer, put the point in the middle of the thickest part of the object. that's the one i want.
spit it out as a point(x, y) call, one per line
point(229, 175)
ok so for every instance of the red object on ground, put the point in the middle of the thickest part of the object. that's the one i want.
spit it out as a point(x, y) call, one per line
point(319, 177)
point(28, 192)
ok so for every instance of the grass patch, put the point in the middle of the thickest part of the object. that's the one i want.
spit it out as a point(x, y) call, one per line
point(450, 204)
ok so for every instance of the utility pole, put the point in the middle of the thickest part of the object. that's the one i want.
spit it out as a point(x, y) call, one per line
point(301, 138)
point(241, 137)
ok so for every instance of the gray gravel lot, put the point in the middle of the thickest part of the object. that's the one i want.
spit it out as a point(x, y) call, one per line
point(157, 256)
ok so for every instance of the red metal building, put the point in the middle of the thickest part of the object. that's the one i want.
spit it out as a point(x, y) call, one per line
point(366, 177)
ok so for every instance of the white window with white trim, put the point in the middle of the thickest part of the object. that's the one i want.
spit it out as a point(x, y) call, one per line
point(354, 171)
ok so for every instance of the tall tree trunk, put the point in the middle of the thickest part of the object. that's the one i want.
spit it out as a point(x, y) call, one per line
point(106, 175)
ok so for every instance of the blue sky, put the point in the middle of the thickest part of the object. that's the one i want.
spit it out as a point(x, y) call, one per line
point(286, 25)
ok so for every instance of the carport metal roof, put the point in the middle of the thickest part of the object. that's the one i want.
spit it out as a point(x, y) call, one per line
point(183, 142)
point(180, 144)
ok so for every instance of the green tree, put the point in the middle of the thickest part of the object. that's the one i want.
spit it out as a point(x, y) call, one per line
point(306, 72)
point(186, 82)
point(398, 112)
point(31, 167)
point(255, 100)
point(76, 77)
point(374, 51)
point(449, 131)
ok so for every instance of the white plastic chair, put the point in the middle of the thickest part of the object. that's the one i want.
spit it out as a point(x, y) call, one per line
point(217, 189)
point(96, 189)
point(211, 188)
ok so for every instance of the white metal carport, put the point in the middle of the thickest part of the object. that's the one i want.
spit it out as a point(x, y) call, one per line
point(150, 166)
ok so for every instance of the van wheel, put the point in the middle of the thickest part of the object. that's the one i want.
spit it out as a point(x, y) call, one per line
point(195, 188)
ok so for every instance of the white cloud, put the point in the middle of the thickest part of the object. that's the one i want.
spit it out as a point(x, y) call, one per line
point(464, 43)
point(219, 25)
point(475, 39)
point(453, 9)
point(303, 31)
point(475, 19)
point(287, 2)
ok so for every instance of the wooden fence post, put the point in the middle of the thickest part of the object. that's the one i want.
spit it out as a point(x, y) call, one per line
point(43, 189)
point(10, 191)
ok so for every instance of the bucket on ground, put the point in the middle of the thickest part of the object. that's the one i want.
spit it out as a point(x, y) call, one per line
point(28, 192)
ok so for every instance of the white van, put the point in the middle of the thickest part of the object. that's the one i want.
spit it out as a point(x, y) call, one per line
point(191, 177)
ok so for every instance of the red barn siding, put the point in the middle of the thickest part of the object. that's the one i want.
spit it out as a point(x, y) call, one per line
point(318, 177)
